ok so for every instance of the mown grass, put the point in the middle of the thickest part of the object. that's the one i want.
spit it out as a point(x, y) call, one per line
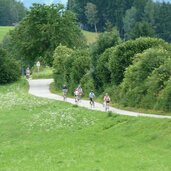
point(91, 37)
point(39, 134)
point(4, 30)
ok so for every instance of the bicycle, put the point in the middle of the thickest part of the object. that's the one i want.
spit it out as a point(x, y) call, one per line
point(65, 96)
point(77, 99)
point(106, 106)
point(92, 104)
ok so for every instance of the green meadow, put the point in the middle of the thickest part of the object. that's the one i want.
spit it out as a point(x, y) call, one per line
point(39, 134)
point(91, 37)
point(4, 30)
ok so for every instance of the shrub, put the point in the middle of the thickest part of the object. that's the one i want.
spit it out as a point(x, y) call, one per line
point(137, 85)
point(164, 98)
point(9, 68)
point(87, 83)
point(80, 66)
point(123, 55)
point(62, 65)
point(103, 74)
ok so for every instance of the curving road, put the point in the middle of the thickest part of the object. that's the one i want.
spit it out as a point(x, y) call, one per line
point(40, 88)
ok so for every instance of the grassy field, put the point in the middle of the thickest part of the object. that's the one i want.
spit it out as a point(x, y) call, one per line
point(4, 31)
point(91, 37)
point(39, 135)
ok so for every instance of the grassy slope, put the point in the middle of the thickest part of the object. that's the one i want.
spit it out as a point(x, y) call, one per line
point(39, 134)
point(4, 31)
point(91, 37)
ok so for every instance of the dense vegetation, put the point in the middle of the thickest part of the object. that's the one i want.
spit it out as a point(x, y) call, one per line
point(11, 12)
point(133, 18)
point(111, 64)
point(9, 69)
point(39, 134)
point(41, 31)
point(135, 73)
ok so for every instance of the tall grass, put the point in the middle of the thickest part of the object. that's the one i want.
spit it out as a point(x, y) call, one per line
point(39, 134)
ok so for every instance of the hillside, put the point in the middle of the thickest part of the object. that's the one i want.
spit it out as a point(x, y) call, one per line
point(39, 134)
point(91, 37)
point(4, 31)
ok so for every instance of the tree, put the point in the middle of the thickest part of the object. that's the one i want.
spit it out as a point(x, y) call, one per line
point(91, 14)
point(129, 21)
point(11, 12)
point(9, 69)
point(62, 65)
point(42, 30)
point(142, 29)
point(162, 21)
point(124, 53)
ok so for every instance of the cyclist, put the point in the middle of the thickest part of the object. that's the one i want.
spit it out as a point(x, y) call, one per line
point(28, 73)
point(80, 90)
point(106, 100)
point(91, 97)
point(76, 94)
point(65, 90)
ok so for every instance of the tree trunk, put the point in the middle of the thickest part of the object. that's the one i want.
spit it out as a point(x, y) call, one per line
point(95, 27)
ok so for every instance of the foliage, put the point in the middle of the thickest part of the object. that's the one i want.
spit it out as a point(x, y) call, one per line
point(133, 18)
point(145, 78)
point(165, 97)
point(123, 54)
point(87, 83)
point(91, 14)
point(80, 67)
point(103, 74)
point(45, 73)
point(9, 69)
point(62, 65)
point(104, 41)
point(11, 12)
point(107, 10)
point(162, 21)
point(42, 30)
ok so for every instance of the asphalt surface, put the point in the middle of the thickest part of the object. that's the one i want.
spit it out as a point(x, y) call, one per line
point(40, 88)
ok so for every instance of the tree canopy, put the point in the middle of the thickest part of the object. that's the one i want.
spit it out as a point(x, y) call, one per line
point(42, 30)
point(11, 12)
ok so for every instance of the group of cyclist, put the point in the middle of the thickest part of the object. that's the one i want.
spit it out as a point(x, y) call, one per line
point(78, 92)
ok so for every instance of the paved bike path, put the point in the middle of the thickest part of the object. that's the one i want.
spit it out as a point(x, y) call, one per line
point(40, 88)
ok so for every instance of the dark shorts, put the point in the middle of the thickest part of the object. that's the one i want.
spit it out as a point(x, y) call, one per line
point(107, 101)
point(91, 99)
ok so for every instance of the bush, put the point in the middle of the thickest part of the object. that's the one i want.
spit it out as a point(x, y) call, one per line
point(9, 69)
point(103, 74)
point(62, 65)
point(142, 81)
point(80, 67)
point(164, 98)
point(123, 55)
point(87, 83)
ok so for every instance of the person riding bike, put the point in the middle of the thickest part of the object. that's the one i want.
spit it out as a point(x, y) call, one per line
point(91, 97)
point(28, 73)
point(106, 100)
point(80, 91)
point(76, 94)
point(65, 90)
